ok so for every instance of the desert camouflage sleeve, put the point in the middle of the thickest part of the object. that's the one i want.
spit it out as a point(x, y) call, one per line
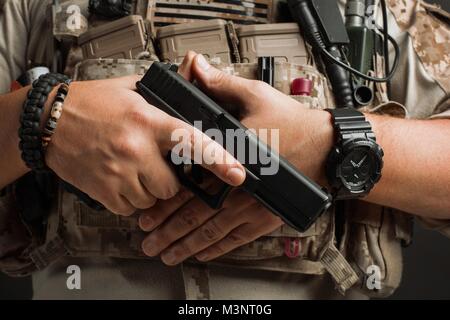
point(427, 44)
point(426, 72)
point(24, 38)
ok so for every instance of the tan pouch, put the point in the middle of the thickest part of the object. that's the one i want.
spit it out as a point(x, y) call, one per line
point(206, 37)
point(282, 41)
point(125, 38)
point(375, 239)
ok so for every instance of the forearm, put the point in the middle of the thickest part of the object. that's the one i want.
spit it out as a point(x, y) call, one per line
point(416, 175)
point(11, 165)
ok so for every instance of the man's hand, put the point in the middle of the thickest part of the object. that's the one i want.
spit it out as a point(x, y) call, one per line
point(184, 226)
point(111, 144)
point(306, 135)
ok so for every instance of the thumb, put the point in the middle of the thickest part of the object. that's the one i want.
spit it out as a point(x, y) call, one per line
point(222, 86)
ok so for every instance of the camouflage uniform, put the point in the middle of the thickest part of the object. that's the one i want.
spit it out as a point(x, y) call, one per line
point(285, 264)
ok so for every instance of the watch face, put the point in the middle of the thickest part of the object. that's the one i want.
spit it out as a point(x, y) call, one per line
point(358, 167)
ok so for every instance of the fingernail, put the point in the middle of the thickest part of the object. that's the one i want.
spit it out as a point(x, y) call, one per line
point(149, 248)
point(147, 222)
point(202, 63)
point(169, 258)
point(202, 256)
point(235, 176)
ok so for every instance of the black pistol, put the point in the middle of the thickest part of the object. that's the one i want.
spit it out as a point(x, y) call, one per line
point(287, 193)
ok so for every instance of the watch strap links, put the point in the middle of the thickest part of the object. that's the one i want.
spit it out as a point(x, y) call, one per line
point(351, 124)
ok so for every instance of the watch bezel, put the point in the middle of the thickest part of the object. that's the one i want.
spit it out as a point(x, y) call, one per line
point(337, 157)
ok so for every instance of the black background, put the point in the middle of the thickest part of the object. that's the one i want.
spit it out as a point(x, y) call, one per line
point(426, 264)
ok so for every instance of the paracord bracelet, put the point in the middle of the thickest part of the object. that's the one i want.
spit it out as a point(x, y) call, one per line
point(30, 134)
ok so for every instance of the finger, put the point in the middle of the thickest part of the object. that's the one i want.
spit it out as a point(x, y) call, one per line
point(152, 218)
point(138, 195)
point(210, 233)
point(157, 177)
point(118, 205)
point(187, 141)
point(128, 82)
point(185, 220)
point(186, 67)
point(106, 194)
point(225, 87)
point(237, 238)
point(240, 236)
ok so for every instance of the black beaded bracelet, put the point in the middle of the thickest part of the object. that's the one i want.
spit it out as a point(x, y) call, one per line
point(30, 133)
point(55, 115)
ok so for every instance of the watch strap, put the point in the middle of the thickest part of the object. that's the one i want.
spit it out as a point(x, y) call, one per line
point(351, 124)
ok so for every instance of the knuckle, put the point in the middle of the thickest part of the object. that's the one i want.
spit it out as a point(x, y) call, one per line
point(188, 218)
point(192, 138)
point(151, 202)
point(174, 131)
point(168, 124)
point(183, 249)
point(162, 239)
point(145, 203)
point(191, 54)
point(172, 190)
point(138, 117)
point(127, 145)
point(218, 250)
point(124, 211)
point(121, 207)
point(237, 239)
point(211, 231)
point(146, 179)
point(183, 196)
point(167, 191)
point(189, 140)
point(111, 168)
point(218, 79)
point(188, 58)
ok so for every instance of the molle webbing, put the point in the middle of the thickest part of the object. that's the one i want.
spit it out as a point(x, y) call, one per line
point(166, 12)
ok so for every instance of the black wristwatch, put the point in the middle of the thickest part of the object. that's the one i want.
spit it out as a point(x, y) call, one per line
point(354, 165)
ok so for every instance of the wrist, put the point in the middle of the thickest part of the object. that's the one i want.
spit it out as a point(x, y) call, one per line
point(316, 137)
point(30, 133)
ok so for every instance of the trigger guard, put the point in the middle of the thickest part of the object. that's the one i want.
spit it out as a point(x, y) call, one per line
point(215, 201)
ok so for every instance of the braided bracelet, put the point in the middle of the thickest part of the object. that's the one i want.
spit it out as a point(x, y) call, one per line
point(30, 134)
point(55, 115)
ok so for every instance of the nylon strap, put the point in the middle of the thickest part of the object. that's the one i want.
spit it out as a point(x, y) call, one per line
point(52, 249)
point(234, 41)
point(196, 281)
point(342, 273)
